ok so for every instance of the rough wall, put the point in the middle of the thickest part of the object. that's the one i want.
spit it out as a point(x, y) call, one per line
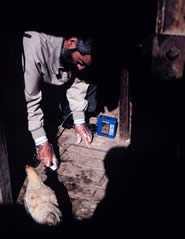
point(171, 17)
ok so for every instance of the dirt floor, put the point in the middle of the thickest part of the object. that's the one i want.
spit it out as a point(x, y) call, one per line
point(81, 172)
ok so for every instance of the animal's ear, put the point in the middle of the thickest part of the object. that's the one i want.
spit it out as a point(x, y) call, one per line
point(27, 167)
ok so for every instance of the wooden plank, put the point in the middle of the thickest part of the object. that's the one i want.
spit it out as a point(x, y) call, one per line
point(5, 183)
point(83, 173)
point(99, 144)
point(170, 17)
point(125, 110)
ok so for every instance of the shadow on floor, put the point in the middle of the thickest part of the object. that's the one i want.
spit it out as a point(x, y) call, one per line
point(143, 192)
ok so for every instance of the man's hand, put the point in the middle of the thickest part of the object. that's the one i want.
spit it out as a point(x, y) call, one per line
point(83, 133)
point(45, 153)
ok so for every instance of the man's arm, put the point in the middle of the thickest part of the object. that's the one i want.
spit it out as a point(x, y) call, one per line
point(78, 104)
point(33, 96)
point(33, 93)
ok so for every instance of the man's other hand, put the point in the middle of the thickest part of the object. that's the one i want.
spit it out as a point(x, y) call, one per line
point(45, 154)
point(83, 133)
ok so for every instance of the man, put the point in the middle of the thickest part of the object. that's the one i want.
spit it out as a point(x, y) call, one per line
point(56, 61)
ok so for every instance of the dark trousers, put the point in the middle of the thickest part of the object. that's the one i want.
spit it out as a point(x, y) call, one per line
point(55, 107)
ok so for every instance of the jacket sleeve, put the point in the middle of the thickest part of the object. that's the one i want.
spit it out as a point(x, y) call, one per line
point(33, 95)
point(78, 104)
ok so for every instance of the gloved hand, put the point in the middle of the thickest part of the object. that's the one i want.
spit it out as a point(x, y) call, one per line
point(83, 133)
point(46, 155)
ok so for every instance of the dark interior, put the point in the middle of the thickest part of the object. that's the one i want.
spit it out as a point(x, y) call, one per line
point(147, 186)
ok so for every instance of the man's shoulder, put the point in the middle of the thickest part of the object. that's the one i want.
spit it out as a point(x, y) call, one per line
point(33, 45)
point(32, 35)
point(31, 41)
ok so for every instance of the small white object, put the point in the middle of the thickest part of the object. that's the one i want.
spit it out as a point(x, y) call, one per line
point(54, 165)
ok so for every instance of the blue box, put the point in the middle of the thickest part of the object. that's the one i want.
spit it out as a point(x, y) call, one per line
point(106, 126)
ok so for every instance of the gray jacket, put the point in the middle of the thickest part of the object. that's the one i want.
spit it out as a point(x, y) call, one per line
point(41, 63)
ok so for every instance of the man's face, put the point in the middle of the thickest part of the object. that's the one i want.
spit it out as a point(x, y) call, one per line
point(71, 58)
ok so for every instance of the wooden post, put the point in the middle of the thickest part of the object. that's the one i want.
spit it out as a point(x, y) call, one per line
point(170, 17)
point(125, 110)
point(5, 183)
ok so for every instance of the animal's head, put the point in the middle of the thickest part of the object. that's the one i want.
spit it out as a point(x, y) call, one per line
point(32, 175)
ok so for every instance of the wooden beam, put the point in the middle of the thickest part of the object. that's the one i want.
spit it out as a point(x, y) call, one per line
point(5, 183)
point(125, 110)
point(170, 17)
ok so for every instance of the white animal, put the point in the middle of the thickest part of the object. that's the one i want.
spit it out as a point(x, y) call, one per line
point(40, 201)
